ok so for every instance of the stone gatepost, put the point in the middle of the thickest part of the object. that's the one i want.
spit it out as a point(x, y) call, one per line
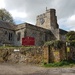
point(52, 54)
point(46, 54)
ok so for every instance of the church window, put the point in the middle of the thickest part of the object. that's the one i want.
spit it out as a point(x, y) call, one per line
point(25, 33)
point(18, 36)
point(10, 36)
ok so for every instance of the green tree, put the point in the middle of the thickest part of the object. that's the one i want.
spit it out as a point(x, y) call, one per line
point(5, 16)
point(70, 36)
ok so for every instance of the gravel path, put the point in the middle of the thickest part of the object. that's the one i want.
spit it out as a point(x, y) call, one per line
point(23, 69)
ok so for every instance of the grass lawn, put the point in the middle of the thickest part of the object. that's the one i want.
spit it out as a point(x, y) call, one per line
point(60, 64)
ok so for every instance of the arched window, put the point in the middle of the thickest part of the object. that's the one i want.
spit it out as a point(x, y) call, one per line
point(10, 36)
point(18, 36)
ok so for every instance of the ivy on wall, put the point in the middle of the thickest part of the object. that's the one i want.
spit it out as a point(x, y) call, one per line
point(56, 44)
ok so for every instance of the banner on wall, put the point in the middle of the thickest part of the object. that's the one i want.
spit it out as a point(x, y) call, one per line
point(28, 41)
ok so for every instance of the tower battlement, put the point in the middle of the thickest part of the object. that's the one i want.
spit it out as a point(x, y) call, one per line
point(51, 10)
point(41, 15)
point(48, 20)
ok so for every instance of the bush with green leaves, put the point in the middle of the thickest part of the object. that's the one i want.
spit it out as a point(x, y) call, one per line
point(56, 44)
point(49, 43)
point(70, 36)
point(72, 43)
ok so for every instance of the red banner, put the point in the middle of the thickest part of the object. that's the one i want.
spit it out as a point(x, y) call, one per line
point(28, 41)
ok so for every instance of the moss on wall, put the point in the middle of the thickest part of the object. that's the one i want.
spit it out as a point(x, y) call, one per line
point(25, 54)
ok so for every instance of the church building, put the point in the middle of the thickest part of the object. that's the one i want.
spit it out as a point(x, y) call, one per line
point(46, 29)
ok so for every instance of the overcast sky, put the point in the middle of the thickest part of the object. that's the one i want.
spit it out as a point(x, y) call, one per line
point(27, 10)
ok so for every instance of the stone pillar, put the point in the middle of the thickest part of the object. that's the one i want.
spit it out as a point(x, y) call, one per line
point(46, 54)
point(54, 55)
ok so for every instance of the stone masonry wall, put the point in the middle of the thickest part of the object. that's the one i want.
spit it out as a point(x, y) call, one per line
point(32, 55)
point(48, 20)
point(4, 36)
point(53, 55)
point(21, 55)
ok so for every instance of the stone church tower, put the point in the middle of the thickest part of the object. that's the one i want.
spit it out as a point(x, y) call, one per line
point(48, 21)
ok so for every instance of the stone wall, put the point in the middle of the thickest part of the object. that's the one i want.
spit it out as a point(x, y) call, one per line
point(19, 42)
point(52, 54)
point(41, 35)
point(47, 20)
point(32, 55)
point(37, 33)
point(36, 55)
point(70, 53)
point(18, 55)
point(4, 36)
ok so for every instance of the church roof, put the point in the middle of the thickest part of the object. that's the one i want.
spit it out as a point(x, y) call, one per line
point(10, 26)
point(62, 32)
point(7, 25)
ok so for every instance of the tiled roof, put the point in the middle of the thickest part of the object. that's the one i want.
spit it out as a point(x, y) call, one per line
point(7, 25)
point(62, 32)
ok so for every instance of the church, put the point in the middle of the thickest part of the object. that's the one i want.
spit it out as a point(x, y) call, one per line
point(46, 29)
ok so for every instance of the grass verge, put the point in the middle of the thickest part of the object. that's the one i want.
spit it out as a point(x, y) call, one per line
point(60, 64)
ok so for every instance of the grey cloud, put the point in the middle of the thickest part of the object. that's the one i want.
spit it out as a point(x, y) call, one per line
point(28, 5)
point(31, 7)
point(65, 8)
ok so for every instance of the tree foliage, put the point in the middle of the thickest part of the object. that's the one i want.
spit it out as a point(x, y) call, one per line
point(5, 16)
point(70, 36)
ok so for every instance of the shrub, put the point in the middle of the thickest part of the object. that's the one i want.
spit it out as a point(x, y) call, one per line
point(56, 44)
point(72, 43)
point(60, 64)
point(49, 43)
